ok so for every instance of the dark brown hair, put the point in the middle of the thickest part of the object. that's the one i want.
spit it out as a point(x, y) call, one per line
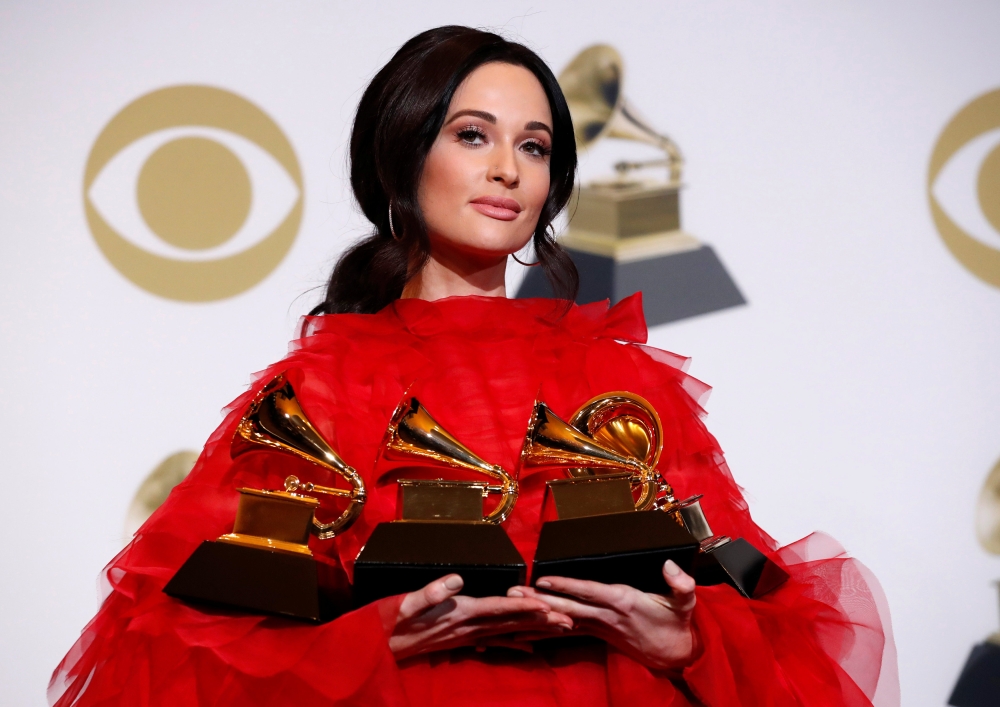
point(398, 119)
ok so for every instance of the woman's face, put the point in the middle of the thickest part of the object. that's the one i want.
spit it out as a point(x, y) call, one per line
point(486, 177)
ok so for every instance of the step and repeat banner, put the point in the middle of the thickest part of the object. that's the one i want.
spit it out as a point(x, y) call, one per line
point(173, 193)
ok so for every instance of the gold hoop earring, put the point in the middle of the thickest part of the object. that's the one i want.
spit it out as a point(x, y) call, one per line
point(392, 229)
point(527, 265)
point(531, 265)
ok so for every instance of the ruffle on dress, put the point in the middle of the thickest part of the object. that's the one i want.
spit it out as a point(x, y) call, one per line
point(477, 364)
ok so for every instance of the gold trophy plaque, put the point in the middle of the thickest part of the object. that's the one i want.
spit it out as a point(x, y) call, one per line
point(625, 234)
point(265, 564)
point(441, 526)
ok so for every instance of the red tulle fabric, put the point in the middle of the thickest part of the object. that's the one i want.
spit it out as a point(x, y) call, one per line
point(477, 364)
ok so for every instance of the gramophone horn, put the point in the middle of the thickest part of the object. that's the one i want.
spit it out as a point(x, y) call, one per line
point(628, 424)
point(614, 432)
point(276, 420)
point(551, 441)
point(413, 433)
point(592, 84)
point(988, 513)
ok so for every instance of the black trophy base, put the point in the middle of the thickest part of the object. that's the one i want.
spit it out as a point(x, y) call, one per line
point(405, 556)
point(674, 286)
point(256, 580)
point(740, 565)
point(617, 548)
point(979, 683)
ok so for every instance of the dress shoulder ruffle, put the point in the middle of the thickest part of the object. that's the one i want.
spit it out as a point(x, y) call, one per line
point(478, 364)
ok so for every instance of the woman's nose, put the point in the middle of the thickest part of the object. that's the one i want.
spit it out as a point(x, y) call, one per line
point(504, 170)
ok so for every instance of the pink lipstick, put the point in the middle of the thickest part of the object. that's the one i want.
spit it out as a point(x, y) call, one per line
point(497, 207)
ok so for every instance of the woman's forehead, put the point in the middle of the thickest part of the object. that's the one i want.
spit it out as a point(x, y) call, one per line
point(507, 91)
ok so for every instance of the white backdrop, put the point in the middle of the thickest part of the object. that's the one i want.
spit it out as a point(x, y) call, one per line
point(858, 392)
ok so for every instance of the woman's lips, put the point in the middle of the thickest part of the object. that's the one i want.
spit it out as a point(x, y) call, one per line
point(497, 207)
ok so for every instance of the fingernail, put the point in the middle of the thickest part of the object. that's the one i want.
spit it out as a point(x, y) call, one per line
point(565, 627)
point(454, 582)
point(671, 568)
point(543, 583)
point(515, 593)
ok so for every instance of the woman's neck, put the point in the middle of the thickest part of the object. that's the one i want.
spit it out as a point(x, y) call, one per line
point(457, 276)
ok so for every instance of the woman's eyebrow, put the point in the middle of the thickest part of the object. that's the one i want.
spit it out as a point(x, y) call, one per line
point(538, 125)
point(488, 117)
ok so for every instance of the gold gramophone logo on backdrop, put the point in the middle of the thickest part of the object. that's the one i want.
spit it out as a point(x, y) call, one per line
point(977, 683)
point(625, 234)
point(193, 193)
point(965, 174)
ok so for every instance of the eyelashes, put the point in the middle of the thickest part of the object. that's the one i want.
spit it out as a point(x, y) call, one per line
point(540, 149)
point(474, 136)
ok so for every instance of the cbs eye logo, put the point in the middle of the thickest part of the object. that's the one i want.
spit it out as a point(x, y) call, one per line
point(965, 173)
point(193, 193)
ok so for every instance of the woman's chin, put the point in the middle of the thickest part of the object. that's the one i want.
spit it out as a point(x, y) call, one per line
point(487, 246)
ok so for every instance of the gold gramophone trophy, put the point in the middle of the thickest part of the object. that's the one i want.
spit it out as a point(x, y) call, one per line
point(611, 447)
point(593, 527)
point(265, 564)
point(979, 682)
point(441, 526)
point(625, 235)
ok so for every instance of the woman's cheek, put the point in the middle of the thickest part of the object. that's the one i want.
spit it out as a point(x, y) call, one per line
point(541, 192)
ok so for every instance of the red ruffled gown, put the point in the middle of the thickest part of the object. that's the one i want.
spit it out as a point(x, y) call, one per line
point(477, 364)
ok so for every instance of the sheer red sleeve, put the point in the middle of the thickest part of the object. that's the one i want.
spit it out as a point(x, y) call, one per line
point(821, 638)
point(145, 648)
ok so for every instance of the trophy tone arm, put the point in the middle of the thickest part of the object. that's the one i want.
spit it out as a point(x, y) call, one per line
point(357, 496)
point(275, 420)
point(508, 491)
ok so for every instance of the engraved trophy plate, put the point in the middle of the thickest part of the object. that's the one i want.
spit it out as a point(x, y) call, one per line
point(440, 500)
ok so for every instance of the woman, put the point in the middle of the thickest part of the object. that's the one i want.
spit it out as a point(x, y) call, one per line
point(462, 152)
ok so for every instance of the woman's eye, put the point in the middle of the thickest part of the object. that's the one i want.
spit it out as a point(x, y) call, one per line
point(535, 148)
point(472, 136)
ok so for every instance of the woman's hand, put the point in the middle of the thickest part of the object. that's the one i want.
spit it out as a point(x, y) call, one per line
point(434, 618)
point(653, 629)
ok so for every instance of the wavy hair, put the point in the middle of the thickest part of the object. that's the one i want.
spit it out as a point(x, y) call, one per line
point(398, 120)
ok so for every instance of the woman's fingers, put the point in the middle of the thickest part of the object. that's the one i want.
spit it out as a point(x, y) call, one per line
point(583, 599)
point(614, 596)
point(469, 608)
point(499, 606)
point(474, 630)
point(434, 618)
point(498, 611)
point(518, 623)
point(438, 591)
point(682, 585)
point(568, 606)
